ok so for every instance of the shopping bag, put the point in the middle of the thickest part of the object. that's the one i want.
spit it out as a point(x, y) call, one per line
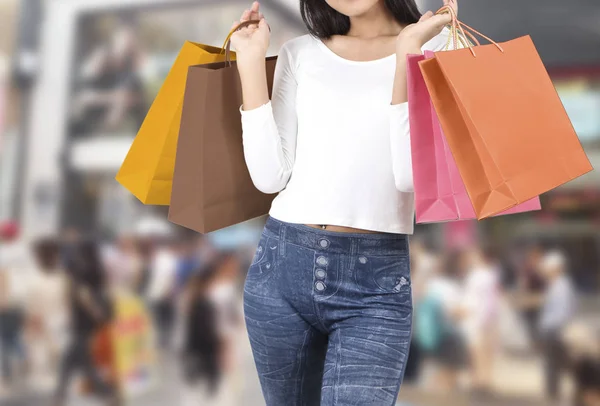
point(147, 171)
point(212, 188)
point(504, 122)
point(440, 193)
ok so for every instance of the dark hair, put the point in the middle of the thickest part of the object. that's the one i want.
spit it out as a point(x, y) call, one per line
point(452, 263)
point(323, 21)
point(84, 264)
point(47, 253)
point(203, 276)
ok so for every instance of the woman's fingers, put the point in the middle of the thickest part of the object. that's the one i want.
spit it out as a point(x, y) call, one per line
point(435, 21)
point(245, 15)
point(426, 16)
point(263, 26)
point(441, 20)
point(254, 11)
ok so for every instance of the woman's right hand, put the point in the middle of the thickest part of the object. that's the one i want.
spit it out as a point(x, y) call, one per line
point(251, 42)
point(414, 36)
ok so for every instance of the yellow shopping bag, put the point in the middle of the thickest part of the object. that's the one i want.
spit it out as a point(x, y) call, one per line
point(147, 171)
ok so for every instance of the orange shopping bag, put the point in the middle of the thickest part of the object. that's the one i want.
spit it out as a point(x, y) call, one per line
point(503, 120)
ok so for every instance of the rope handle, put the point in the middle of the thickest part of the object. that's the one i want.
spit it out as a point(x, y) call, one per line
point(465, 31)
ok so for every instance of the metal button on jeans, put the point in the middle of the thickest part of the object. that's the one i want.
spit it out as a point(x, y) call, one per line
point(324, 243)
point(322, 261)
point(320, 273)
point(320, 286)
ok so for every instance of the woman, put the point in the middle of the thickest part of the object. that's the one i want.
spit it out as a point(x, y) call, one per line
point(211, 333)
point(440, 313)
point(90, 310)
point(202, 343)
point(481, 301)
point(327, 297)
point(46, 311)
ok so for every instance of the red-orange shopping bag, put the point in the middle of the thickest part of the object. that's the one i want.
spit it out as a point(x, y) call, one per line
point(440, 193)
point(504, 122)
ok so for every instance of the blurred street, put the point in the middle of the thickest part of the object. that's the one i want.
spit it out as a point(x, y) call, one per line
point(102, 299)
point(516, 377)
point(522, 386)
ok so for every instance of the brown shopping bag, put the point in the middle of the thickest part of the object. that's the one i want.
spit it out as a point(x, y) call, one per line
point(212, 188)
point(504, 122)
point(147, 171)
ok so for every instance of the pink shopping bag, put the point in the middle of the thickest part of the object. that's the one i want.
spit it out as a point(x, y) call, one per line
point(440, 193)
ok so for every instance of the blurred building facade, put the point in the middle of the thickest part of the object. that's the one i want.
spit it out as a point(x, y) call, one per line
point(63, 175)
point(8, 99)
point(95, 55)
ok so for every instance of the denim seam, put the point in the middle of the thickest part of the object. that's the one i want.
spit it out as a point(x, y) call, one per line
point(405, 363)
point(352, 263)
point(300, 370)
point(282, 242)
point(338, 363)
point(316, 308)
point(305, 247)
point(367, 236)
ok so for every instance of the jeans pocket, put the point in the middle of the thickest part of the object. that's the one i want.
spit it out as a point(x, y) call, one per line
point(264, 262)
point(387, 274)
point(261, 250)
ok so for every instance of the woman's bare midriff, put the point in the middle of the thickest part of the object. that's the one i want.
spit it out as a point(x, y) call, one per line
point(340, 229)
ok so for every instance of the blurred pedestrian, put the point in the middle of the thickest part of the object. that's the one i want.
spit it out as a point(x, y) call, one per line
point(438, 316)
point(202, 340)
point(225, 294)
point(90, 310)
point(161, 262)
point(557, 311)
point(214, 323)
point(481, 303)
point(583, 348)
point(531, 285)
point(47, 311)
point(124, 264)
point(188, 261)
point(14, 280)
point(587, 381)
point(424, 264)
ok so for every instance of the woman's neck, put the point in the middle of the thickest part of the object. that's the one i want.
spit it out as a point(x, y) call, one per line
point(377, 22)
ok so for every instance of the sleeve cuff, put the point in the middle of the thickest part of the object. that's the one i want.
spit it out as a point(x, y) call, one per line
point(401, 108)
point(257, 113)
point(398, 117)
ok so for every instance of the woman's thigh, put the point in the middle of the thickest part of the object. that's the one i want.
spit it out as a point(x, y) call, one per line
point(288, 351)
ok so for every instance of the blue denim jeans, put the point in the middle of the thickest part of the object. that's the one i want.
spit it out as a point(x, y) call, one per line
point(329, 315)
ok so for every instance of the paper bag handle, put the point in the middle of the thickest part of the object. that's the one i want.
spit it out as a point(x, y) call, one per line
point(227, 44)
point(465, 30)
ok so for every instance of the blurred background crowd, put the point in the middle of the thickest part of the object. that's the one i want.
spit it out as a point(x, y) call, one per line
point(102, 300)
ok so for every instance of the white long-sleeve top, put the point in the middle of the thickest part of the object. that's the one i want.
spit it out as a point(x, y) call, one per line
point(559, 305)
point(331, 143)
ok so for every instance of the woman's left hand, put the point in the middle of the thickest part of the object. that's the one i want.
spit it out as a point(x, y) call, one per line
point(412, 38)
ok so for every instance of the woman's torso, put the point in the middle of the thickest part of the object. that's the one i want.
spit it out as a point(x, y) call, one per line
point(343, 139)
